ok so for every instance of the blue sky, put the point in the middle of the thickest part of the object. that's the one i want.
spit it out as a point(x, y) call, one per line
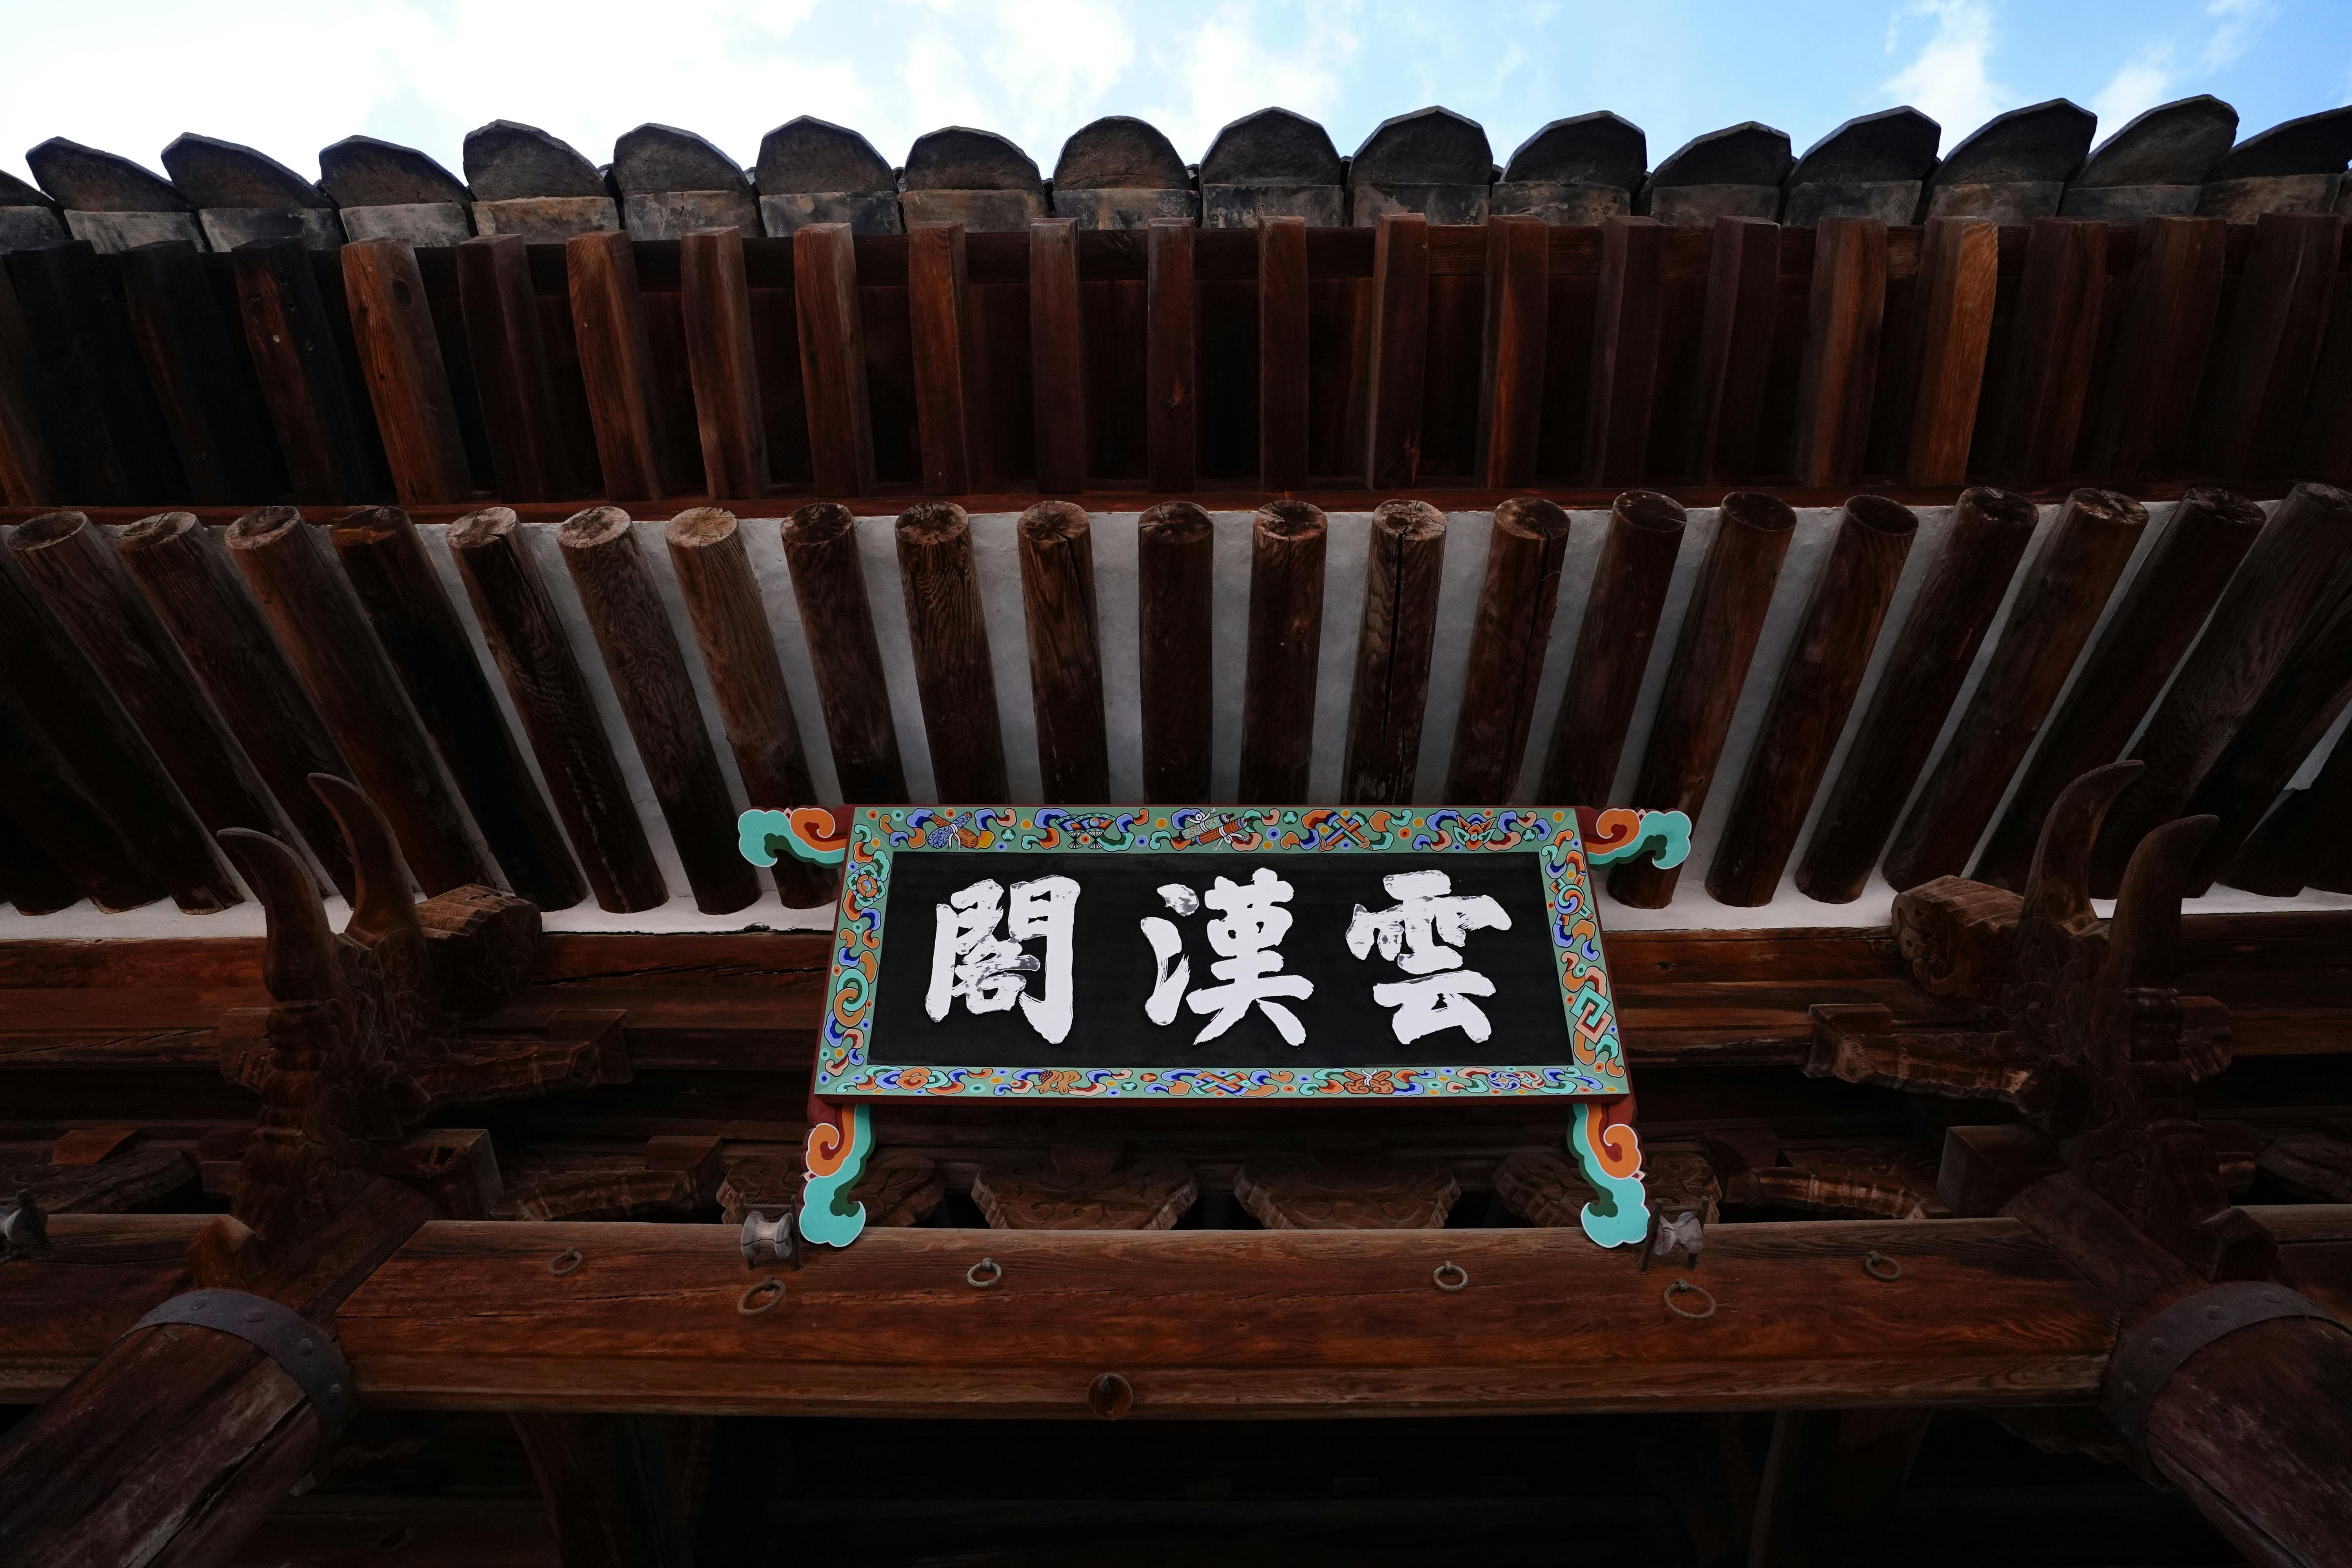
point(291, 76)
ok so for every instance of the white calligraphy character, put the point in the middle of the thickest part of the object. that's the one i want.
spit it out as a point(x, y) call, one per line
point(1419, 935)
point(990, 971)
point(1245, 941)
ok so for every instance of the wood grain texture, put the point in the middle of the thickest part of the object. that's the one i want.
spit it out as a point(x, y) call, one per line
point(1838, 381)
point(1390, 696)
point(384, 559)
point(953, 676)
point(2324, 450)
point(1172, 401)
point(656, 695)
point(1735, 350)
point(82, 576)
point(2159, 615)
point(1174, 546)
point(1286, 636)
point(186, 573)
point(2259, 377)
point(1399, 357)
point(608, 323)
point(1932, 655)
point(1282, 340)
point(1951, 332)
point(2045, 374)
point(1058, 379)
point(1508, 637)
point(202, 384)
point(1510, 393)
point(1721, 625)
point(66, 844)
point(715, 303)
point(2171, 302)
point(322, 433)
point(2284, 579)
point(833, 359)
point(60, 695)
point(550, 694)
point(939, 324)
point(28, 468)
point(105, 430)
point(1612, 649)
point(1811, 702)
point(845, 655)
point(2095, 535)
point(512, 373)
point(739, 655)
point(606, 1484)
point(1624, 384)
point(1066, 684)
point(407, 382)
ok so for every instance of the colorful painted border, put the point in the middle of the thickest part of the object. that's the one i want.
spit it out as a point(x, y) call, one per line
point(875, 834)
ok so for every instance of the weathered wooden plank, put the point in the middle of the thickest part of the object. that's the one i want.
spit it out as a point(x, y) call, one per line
point(939, 317)
point(1735, 350)
point(1171, 402)
point(953, 677)
point(299, 364)
point(1510, 402)
point(1952, 330)
point(1508, 637)
point(1174, 547)
point(833, 359)
point(204, 388)
point(2171, 302)
point(1390, 696)
point(844, 654)
point(715, 303)
point(2258, 379)
point(1624, 350)
point(1056, 356)
point(624, 403)
point(1065, 685)
point(511, 375)
point(1612, 649)
point(407, 382)
point(1838, 381)
point(2046, 377)
point(1285, 635)
point(28, 468)
point(1398, 309)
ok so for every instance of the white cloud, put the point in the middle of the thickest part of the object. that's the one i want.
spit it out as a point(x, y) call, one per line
point(1947, 79)
point(1225, 68)
point(2238, 23)
point(2140, 83)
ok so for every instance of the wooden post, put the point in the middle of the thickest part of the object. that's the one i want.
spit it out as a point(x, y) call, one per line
point(222, 441)
point(82, 576)
point(1057, 595)
point(328, 453)
point(1282, 376)
point(28, 470)
point(510, 370)
point(837, 622)
point(1612, 649)
point(97, 410)
point(2096, 533)
point(1510, 402)
point(739, 652)
point(401, 359)
point(185, 571)
point(1932, 655)
point(1391, 695)
point(953, 676)
point(833, 359)
point(1174, 545)
point(397, 586)
point(716, 304)
point(608, 318)
point(1624, 350)
point(1735, 349)
point(2162, 335)
point(1171, 408)
point(62, 695)
point(64, 827)
point(2284, 579)
point(1951, 325)
point(656, 696)
point(550, 694)
point(1057, 357)
point(1721, 625)
point(1840, 378)
point(1811, 699)
point(1286, 636)
point(2259, 379)
point(2160, 617)
point(1508, 642)
point(1400, 349)
point(2051, 341)
point(319, 621)
point(939, 324)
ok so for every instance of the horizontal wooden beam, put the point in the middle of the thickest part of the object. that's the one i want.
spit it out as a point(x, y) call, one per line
point(1201, 1324)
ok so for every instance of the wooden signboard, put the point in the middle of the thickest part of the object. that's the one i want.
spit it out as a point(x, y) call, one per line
point(1216, 953)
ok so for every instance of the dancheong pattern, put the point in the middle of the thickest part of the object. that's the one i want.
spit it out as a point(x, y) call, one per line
point(875, 832)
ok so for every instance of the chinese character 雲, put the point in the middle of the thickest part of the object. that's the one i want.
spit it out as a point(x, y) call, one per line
point(991, 971)
point(1244, 939)
point(1419, 935)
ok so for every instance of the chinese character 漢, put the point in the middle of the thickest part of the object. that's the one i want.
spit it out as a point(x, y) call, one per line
point(990, 971)
point(1244, 941)
point(1419, 935)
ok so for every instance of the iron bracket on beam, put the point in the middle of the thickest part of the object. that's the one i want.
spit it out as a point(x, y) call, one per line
point(2148, 1356)
point(297, 1345)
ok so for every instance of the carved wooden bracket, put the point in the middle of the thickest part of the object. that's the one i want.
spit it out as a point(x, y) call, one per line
point(2078, 1024)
